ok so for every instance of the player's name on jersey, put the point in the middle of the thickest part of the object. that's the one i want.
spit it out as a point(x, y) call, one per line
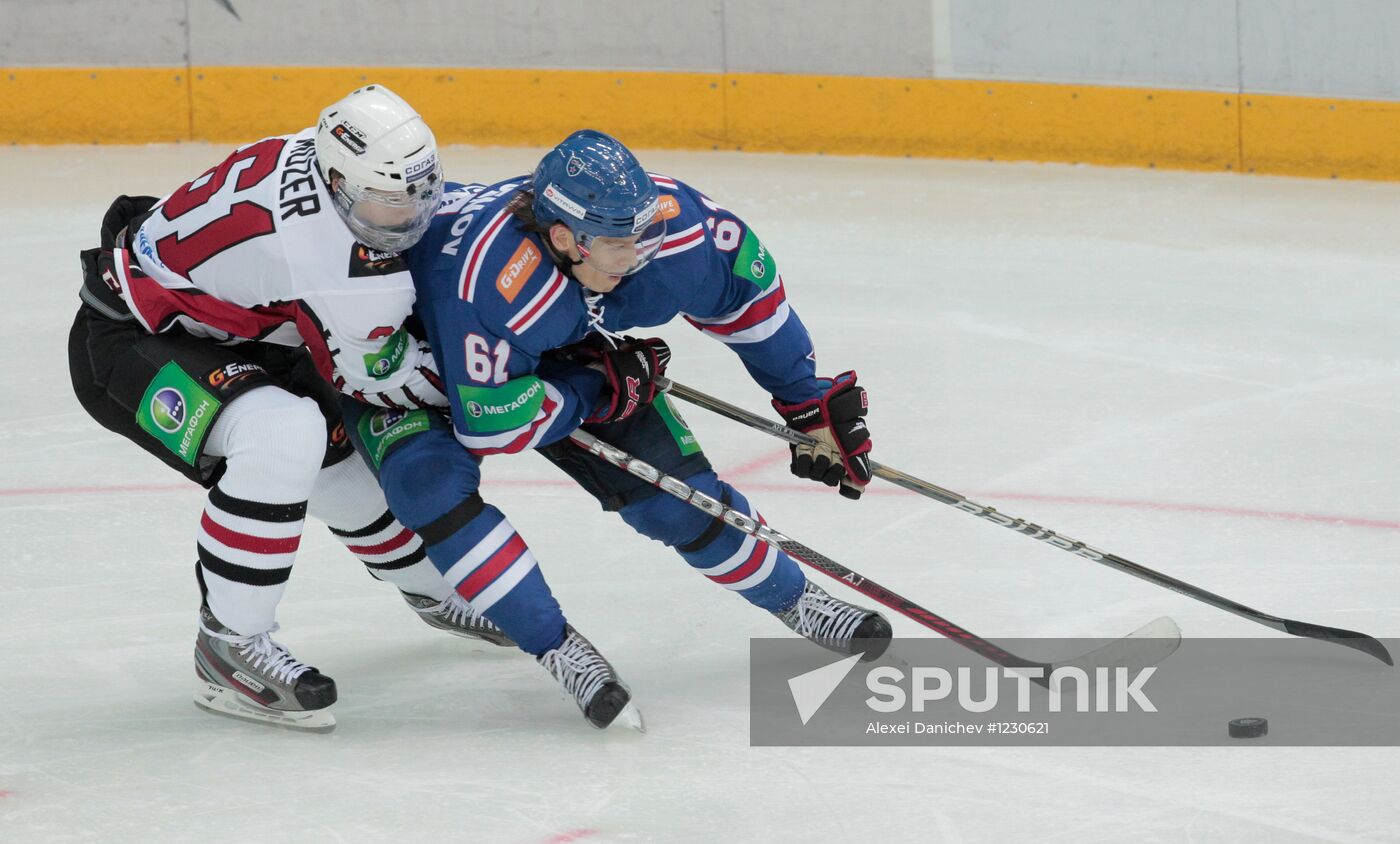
point(298, 196)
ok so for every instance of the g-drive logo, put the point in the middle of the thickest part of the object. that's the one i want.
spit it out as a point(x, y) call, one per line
point(1100, 689)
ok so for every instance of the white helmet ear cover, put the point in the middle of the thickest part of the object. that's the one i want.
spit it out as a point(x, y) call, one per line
point(386, 158)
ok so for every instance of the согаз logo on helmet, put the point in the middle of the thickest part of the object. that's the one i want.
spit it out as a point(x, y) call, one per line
point(419, 169)
point(168, 409)
point(645, 216)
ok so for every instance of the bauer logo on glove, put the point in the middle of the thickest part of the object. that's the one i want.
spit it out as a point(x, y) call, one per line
point(836, 420)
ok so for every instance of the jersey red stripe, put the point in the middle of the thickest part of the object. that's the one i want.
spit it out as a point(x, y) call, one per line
point(751, 565)
point(519, 443)
point(160, 304)
point(479, 250)
point(403, 537)
point(545, 300)
point(757, 312)
point(495, 565)
point(248, 542)
point(676, 242)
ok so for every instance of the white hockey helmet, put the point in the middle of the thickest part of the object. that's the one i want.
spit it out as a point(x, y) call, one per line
point(390, 181)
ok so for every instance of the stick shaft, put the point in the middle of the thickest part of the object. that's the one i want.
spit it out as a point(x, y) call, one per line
point(717, 509)
point(1348, 638)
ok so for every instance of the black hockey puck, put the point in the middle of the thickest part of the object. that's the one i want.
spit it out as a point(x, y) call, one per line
point(1249, 727)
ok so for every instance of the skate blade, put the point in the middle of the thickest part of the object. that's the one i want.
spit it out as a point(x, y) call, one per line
point(632, 717)
point(500, 640)
point(230, 704)
point(490, 639)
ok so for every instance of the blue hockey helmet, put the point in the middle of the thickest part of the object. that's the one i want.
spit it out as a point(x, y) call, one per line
point(596, 187)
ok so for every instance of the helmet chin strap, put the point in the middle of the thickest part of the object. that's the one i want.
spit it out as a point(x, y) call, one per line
point(562, 261)
point(592, 301)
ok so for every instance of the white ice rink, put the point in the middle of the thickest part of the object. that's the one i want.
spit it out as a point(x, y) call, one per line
point(1198, 372)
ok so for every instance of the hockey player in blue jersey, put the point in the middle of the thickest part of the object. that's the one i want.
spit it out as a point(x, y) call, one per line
point(524, 289)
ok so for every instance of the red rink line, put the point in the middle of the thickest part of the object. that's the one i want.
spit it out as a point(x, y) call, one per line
point(794, 486)
point(570, 836)
point(1350, 521)
point(748, 468)
point(94, 490)
point(1125, 503)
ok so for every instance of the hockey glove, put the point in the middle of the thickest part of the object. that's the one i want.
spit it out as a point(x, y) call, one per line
point(120, 217)
point(836, 419)
point(631, 370)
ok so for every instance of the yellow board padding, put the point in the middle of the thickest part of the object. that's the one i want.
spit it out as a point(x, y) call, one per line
point(101, 105)
point(1326, 138)
point(502, 107)
point(1193, 130)
point(995, 120)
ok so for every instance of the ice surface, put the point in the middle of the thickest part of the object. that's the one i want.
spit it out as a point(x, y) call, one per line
point(1198, 372)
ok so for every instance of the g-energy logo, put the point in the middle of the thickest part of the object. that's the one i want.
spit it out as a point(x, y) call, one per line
point(351, 137)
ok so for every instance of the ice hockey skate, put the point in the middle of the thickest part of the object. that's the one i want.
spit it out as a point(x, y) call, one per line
point(837, 625)
point(586, 676)
point(256, 679)
point(457, 617)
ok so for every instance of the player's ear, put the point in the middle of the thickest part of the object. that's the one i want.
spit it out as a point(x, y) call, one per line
point(561, 238)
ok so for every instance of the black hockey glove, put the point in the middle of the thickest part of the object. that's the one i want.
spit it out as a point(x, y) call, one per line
point(836, 419)
point(102, 289)
point(126, 212)
point(631, 370)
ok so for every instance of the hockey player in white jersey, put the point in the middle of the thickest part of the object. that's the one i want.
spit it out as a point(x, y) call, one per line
point(213, 323)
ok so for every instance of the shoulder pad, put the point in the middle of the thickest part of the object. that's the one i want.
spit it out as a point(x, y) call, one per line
point(516, 284)
point(665, 183)
point(455, 195)
point(685, 223)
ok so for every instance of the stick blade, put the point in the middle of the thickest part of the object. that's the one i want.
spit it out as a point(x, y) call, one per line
point(1148, 645)
point(1346, 638)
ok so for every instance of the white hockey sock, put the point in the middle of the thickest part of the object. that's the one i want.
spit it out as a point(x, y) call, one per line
point(348, 499)
point(273, 442)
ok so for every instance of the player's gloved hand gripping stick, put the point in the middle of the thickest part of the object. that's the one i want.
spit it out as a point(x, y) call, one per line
point(1148, 645)
point(1348, 638)
point(835, 421)
point(631, 369)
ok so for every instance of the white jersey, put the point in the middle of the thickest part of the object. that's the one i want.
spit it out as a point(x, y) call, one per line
point(253, 251)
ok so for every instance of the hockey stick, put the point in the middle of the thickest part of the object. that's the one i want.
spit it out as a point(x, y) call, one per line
point(1348, 638)
point(1145, 646)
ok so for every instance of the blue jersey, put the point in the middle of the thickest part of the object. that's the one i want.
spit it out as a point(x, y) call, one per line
point(493, 302)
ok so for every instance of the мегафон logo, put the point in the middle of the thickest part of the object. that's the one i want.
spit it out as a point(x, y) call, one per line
point(168, 409)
